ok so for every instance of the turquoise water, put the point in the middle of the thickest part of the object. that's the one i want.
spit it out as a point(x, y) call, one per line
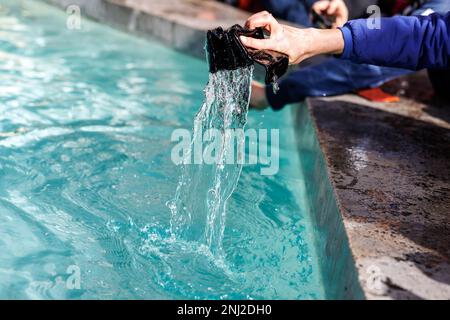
point(85, 173)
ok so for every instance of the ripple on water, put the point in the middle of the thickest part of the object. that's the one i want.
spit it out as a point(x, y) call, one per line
point(85, 172)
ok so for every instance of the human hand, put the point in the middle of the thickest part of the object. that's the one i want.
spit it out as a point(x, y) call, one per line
point(298, 44)
point(283, 38)
point(336, 9)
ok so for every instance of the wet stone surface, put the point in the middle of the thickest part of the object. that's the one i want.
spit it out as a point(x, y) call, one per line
point(390, 166)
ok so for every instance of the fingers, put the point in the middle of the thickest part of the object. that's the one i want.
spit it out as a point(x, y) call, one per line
point(265, 20)
point(340, 12)
point(321, 6)
point(333, 8)
point(258, 44)
point(258, 14)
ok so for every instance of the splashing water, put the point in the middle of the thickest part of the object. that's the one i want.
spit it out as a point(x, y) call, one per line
point(199, 206)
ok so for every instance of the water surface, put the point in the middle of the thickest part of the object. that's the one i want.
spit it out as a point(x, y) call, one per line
point(85, 172)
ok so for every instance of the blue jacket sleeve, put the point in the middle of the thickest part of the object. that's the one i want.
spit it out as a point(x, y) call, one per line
point(405, 42)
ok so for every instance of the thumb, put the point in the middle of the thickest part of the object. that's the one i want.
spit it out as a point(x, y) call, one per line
point(258, 44)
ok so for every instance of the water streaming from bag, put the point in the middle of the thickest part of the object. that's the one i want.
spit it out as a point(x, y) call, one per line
point(199, 206)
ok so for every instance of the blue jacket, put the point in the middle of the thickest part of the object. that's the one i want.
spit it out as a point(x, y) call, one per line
point(405, 42)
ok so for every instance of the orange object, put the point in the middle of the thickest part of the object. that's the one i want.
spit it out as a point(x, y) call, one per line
point(377, 95)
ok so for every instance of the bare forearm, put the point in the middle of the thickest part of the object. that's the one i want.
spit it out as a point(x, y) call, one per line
point(322, 42)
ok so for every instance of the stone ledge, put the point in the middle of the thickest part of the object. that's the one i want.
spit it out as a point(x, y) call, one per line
point(177, 23)
point(389, 164)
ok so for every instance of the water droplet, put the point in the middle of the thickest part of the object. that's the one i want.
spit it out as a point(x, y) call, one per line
point(275, 86)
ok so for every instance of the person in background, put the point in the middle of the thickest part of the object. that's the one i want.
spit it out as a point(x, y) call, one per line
point(298, 11)
point(334, 76)
point(413, 43)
